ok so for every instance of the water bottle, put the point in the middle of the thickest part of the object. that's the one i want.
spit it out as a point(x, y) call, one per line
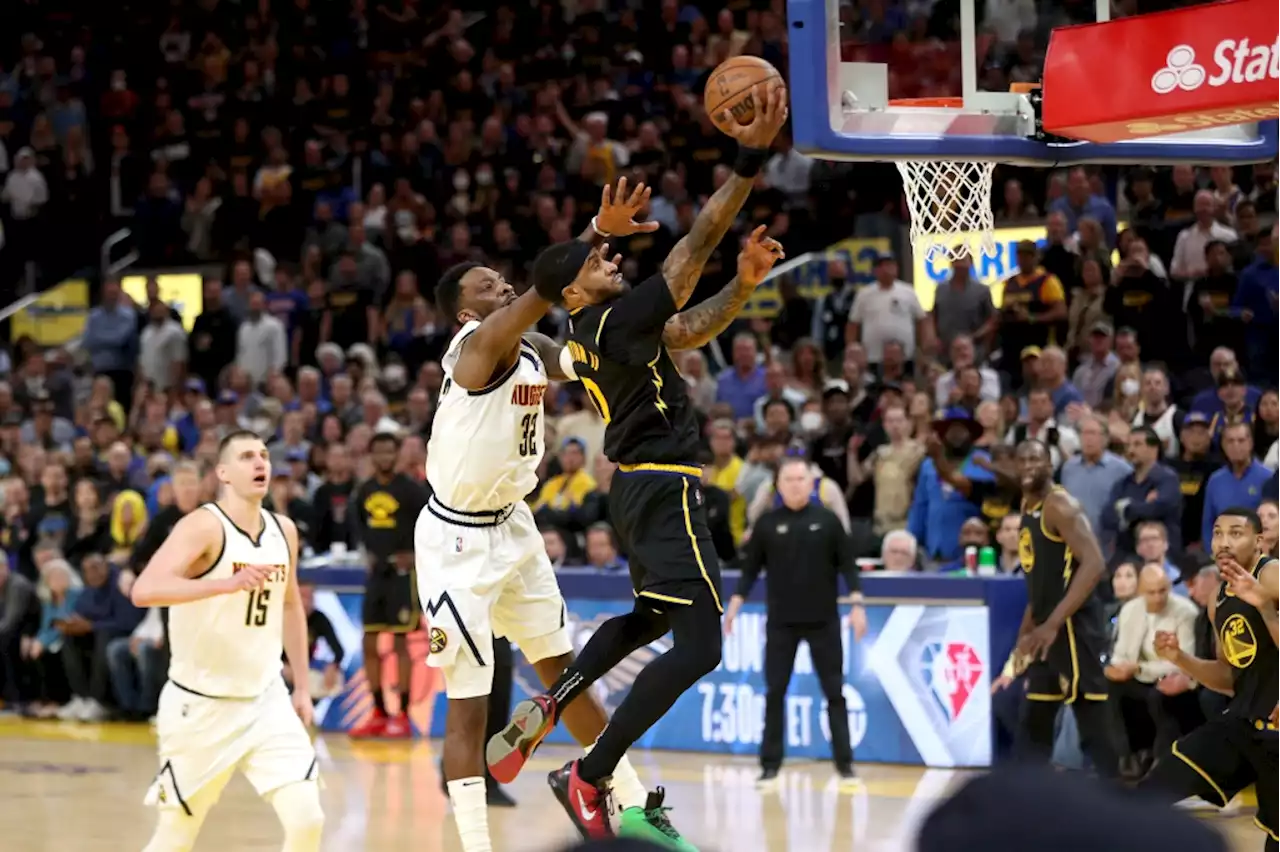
point(987, 562)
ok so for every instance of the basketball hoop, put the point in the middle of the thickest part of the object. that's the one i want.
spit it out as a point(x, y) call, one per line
point(946, 198)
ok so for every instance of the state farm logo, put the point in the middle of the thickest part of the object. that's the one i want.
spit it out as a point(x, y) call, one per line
point(1234, 62)
point(1180, 72)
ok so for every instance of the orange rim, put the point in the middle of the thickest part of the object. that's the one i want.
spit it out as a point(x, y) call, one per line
point(946, 103)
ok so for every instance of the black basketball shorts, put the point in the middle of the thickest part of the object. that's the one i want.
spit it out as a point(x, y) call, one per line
point(1073, 669)
point(391, 601)
point(1227, 754)
point(658, 513)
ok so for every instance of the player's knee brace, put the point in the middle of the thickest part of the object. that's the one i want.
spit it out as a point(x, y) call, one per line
point(175, 832)
point(298, 807)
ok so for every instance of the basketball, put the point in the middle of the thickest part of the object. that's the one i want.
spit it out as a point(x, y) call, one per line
point(731, 87)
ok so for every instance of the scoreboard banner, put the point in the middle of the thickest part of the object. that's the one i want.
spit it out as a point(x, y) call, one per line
point(916, 688)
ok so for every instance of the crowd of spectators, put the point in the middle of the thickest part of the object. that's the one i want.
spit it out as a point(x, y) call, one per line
point(330, 159)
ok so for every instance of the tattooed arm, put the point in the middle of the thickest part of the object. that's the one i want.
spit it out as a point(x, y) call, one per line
point(700, 325)
point(703, 323)
point(683, 266)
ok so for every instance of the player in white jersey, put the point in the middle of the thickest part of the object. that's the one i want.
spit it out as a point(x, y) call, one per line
point(481, 565)
point(228, 573)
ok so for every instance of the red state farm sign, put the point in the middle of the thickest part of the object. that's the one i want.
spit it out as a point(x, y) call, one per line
point(1204, 66)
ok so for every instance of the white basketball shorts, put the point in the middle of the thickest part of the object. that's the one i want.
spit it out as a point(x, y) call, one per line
point(202, 741)
point(480, 575)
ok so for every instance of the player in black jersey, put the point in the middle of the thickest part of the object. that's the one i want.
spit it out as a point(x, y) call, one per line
point(1238, 748)
point(1063, 636)
point(619, 340)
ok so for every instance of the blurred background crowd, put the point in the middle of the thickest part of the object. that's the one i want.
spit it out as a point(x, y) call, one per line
point(283, 181)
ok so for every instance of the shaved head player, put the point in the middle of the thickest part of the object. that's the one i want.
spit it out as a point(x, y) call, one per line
point(1063, 635)
point(228, 573)
point(482, 566)
point(620, 341)
point(1238, 748)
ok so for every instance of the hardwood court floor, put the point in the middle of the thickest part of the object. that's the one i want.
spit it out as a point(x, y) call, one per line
point(80, 788)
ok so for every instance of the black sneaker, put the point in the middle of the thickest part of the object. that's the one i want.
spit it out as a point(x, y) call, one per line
point(848, 777)
point(768, 777)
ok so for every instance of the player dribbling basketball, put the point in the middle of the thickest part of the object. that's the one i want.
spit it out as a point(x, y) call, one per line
point(228, 573)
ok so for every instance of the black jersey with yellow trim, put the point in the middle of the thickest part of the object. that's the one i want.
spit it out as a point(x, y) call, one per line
point(1248, 648)
point(631, 379)
point(1048, 564)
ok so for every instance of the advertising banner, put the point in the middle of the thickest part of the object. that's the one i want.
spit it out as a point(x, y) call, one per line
point(916, 690)
point(811, 274)
point(1209, 65)
point(928, 274)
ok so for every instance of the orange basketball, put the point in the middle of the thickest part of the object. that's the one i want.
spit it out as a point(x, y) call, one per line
point(731, 87)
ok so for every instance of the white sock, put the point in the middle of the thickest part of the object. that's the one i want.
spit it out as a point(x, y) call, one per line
point(471, 813)
point(625, 784)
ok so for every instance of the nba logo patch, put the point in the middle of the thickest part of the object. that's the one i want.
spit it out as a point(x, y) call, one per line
point(457, 545)
point(951, 670)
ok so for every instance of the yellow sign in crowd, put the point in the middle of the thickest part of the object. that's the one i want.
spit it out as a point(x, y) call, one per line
point(58, 315)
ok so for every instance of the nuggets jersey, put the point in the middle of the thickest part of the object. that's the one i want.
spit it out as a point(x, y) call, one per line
point(229, 646)
point(486, 444)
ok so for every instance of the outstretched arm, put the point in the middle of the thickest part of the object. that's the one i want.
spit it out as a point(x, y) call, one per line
point(683, 266)
point(699, 325)
point(550, 352)
point(495, 345)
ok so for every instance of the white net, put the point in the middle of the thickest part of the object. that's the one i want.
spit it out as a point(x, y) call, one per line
point(950, 207)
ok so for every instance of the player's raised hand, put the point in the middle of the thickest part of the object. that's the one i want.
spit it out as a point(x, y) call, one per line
point(249, 577)
point(1243, 584)
point(759, 254)
point(771, 114)
point(1166, 645)
point(617, 214)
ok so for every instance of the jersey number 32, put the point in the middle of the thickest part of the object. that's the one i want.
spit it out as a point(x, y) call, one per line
point(528, 441)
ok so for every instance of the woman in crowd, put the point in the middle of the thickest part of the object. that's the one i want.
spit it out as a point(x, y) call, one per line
point(1266, 426)
point(90, 531)
point(58, 590)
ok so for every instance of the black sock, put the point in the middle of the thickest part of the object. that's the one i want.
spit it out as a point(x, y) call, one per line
point(378, 703)
point(1035, 737)
point(404, 704)
point(695, 651)
point(612, 643)
point(1098, 736)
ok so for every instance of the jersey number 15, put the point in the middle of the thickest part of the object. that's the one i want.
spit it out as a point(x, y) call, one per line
point(255, 614)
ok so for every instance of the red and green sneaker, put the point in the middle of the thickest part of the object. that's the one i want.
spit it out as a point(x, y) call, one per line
point(652, 824)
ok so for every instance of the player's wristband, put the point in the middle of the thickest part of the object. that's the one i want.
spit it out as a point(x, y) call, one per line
point(596, 227)
point(566, 362)
point(750, 161)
